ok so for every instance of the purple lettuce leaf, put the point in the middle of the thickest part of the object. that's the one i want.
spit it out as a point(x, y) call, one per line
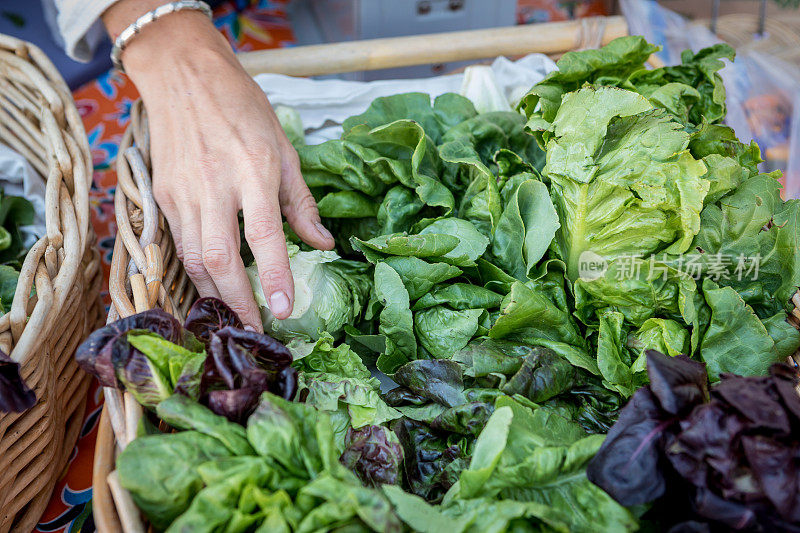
point(432, 461)
point(207, 316)
point(774, 465)
point(240, 367)
point(137, 374)
point(15, 396)
point(786, 380)
point(374, 454)
point(270, 354)
point(735, 516)
point(756, 400)
point(704, 451)
point(677, 382)
point(439, 380)
point(628, 466)
point(96, 353)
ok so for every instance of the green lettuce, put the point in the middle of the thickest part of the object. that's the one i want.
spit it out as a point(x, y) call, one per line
point(329, 293)
point(349, 402)
point(538, 456)
point(692, 91)
point(622, 179)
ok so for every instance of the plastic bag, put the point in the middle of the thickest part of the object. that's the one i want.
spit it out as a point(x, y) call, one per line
point(763, 91)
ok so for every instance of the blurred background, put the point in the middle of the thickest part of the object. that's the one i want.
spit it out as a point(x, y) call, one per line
point(318, 21)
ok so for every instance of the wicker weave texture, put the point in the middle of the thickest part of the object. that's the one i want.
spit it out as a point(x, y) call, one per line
point(145, 274)
point(56, 303)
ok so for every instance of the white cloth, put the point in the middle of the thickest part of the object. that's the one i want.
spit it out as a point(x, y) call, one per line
point(322, 102)
point(18, 178)
point(79, 24)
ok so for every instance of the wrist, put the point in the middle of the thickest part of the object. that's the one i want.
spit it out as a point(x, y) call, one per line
point(170, 42)
point(175, 50)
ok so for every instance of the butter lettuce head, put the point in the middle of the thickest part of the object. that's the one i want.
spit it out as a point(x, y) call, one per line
point(328, 294)
point(623, 181)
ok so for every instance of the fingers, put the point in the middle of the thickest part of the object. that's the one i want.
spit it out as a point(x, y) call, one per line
point(299, 206)
point(221, 259)
point(263, 230)
point(192, 257)
point(174, 226)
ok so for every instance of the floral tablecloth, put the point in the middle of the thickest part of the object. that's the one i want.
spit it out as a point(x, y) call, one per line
point(104, 105)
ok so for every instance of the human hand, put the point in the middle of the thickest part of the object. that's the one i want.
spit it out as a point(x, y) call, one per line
point(216, 148)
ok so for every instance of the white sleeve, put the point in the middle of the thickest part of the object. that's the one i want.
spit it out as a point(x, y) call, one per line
point(80, 26)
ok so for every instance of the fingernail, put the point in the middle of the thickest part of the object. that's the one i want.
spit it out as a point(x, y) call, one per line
point(278, 303)
point(323, 231)
point(248, 327)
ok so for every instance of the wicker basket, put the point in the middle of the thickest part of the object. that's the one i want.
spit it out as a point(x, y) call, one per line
point(145, 273)
point(39, 120)
point(145, 270)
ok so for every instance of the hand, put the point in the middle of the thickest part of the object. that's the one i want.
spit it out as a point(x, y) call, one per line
point(217, 148)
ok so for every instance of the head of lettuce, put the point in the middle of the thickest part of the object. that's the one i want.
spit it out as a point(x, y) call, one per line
point(330, 292)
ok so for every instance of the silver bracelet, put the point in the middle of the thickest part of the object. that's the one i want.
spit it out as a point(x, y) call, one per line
point(131, 31)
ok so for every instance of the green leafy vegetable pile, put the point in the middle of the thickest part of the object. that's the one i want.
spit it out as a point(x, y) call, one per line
point(475, 230)
point(500, 277)
point(15, 213)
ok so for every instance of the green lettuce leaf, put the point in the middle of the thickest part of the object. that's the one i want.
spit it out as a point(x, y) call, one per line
point(737, 341)
point(160, 471)
point(8, 286)
point(610, 65)
point(296, 436)
point(622, 180)
point(330, 503)
point(322, 356)
point(347, 204)
point(614, 358)
point(529, 316)
point(525, 229)
point(537, 456)
point(183, 413)
point(419, 276)
point(348, 401)
point(459, 296)
point(639, 289)
point(443, 331)
point(693, 91)
point(475, 515)
point(699, 71)
point(749, 241)
point(447, 110)
point(396, 320)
